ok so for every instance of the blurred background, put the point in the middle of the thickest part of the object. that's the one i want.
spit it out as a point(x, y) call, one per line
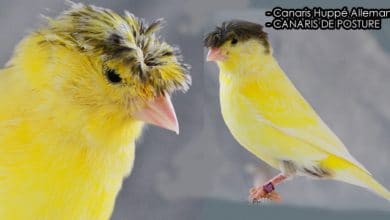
point(203, 173)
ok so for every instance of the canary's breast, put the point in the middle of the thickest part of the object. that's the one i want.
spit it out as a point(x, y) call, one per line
point(242, 121)
point(58, 177)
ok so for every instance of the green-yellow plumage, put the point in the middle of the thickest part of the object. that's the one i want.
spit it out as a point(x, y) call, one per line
point(269, 117)
point(67, 128)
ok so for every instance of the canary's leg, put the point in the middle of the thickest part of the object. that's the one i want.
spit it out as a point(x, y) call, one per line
point(267, 190)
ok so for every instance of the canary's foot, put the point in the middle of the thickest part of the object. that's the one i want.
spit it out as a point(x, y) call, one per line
point(266, 191)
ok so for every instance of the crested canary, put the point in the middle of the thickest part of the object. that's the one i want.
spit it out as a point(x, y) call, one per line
point(74, 98)
point(269, 117)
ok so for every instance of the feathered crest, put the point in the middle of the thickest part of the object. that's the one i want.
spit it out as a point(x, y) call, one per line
point(102, 32)
point(242, 30)
point(95, 29)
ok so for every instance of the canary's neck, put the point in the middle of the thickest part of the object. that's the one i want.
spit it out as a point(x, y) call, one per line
point(248, 67)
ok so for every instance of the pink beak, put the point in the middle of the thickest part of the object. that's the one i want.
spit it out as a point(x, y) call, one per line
point(159, 112)
point(215, 54)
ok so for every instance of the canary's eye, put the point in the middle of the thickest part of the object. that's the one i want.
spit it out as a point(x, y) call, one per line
point(234, 41)
point(113, 76)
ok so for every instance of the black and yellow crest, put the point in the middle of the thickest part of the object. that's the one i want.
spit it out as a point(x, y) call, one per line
point(124, 39)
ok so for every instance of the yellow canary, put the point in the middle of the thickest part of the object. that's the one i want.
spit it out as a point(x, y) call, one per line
point(269, 117)
point(73, 99)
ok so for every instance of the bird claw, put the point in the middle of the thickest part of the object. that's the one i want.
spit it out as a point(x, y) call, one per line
point(264, 192)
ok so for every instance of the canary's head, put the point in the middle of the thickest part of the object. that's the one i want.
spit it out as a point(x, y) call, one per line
point(110, 63)
point(236, 40)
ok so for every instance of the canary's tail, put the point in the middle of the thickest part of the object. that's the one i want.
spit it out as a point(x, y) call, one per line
point(350, 173)
point(365, 180)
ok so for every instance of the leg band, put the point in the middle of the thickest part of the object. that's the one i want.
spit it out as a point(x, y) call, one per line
point(269, 187)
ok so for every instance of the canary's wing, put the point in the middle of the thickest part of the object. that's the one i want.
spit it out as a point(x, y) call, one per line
point(280, 105)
